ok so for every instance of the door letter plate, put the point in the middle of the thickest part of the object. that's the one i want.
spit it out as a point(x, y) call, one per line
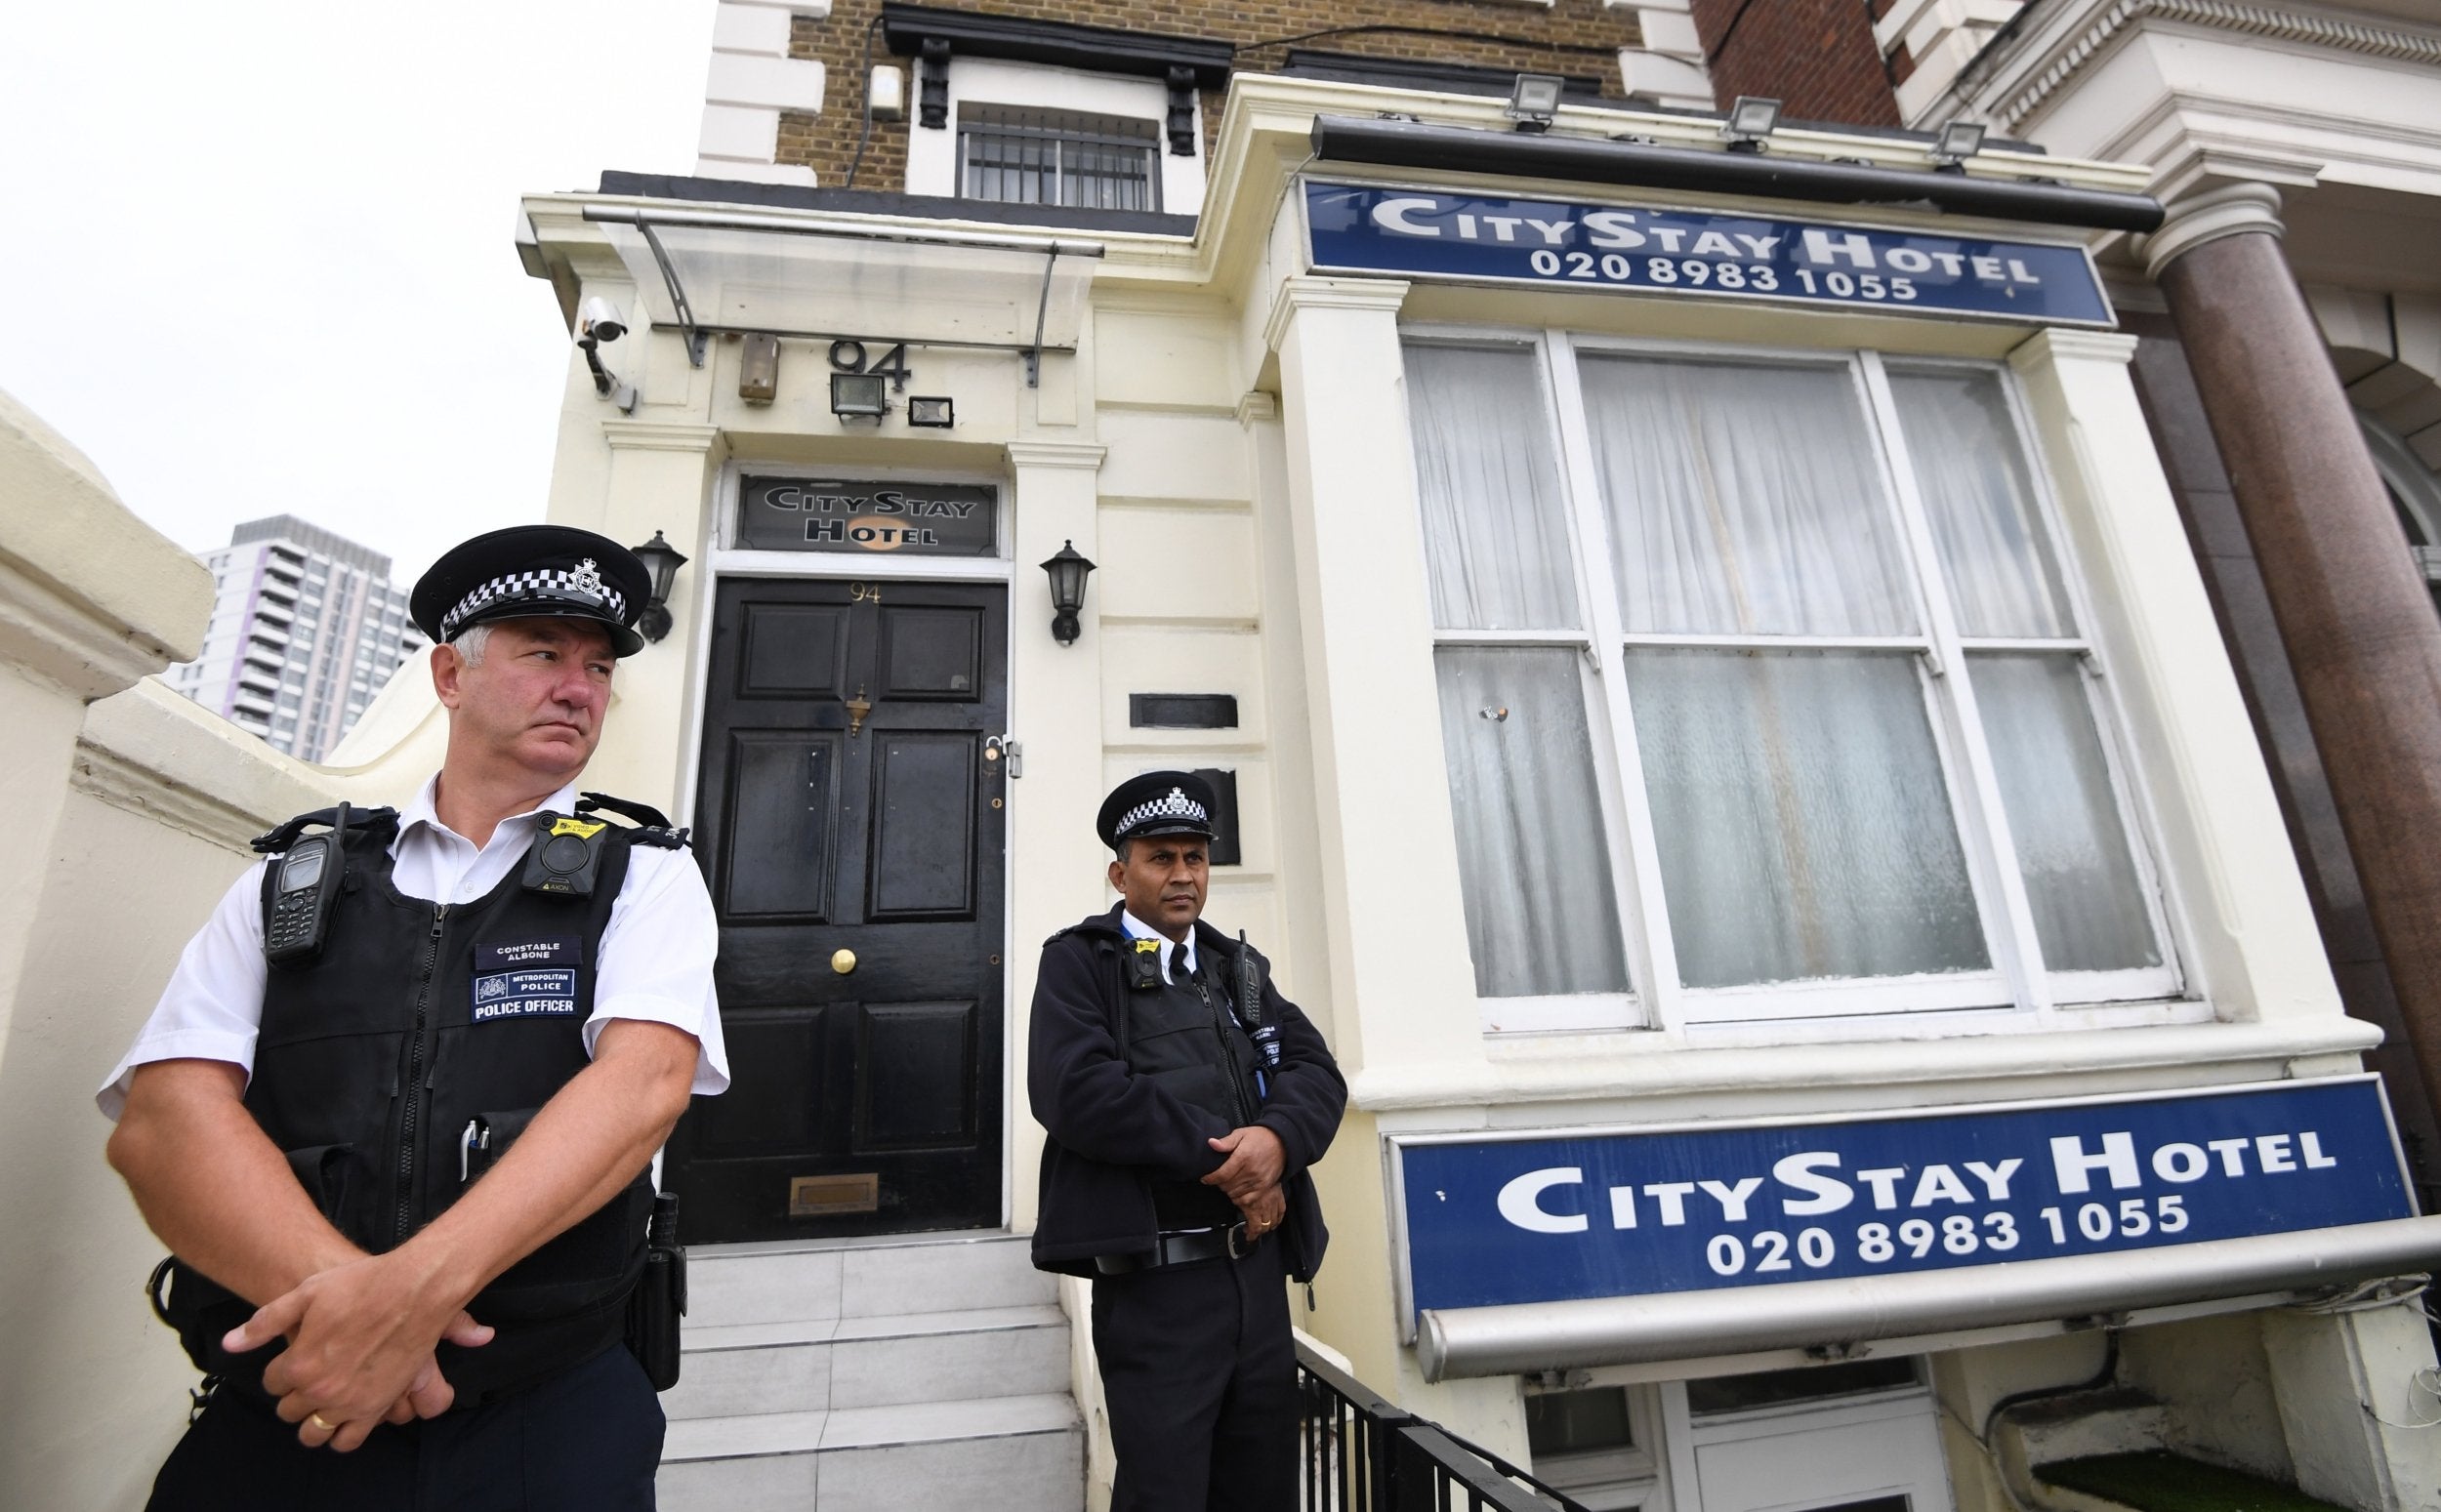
point(822, 1197)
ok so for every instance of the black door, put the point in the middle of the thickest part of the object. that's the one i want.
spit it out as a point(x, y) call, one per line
point(851, 825)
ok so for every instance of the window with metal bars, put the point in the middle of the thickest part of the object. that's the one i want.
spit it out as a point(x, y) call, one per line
point(1025, 156)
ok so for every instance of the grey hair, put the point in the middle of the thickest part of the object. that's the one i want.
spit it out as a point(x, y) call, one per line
point(470, 642)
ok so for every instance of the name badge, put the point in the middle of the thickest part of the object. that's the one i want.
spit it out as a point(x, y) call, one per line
point(542, 994)
point(550, 949)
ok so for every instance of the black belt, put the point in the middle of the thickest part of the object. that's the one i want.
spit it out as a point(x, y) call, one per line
point(1181, 1248)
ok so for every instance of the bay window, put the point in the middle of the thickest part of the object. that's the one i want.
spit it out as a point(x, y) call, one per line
point(1765, 692)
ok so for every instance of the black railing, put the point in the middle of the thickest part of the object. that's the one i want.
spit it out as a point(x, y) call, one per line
point(1365, 1453)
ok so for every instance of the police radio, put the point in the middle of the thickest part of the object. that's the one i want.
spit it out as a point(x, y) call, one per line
point(307, 887)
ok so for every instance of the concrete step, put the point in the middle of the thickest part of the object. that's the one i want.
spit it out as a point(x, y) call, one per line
point(743, 1284)
point(2072, 1427)
point(1017, 1453)
point(822, 1364)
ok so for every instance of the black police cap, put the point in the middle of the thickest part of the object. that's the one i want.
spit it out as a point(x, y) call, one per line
point(534, 571)
point(1156, 803)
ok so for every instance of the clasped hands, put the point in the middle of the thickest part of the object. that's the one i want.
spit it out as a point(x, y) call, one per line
point(361, 1341)
point(1250, 1177)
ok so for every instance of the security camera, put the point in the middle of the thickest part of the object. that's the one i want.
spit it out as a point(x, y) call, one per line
point(598, 320)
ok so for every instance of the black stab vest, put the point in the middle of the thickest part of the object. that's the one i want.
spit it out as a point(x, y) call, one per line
point(417, 1021)
point(1185, 1038)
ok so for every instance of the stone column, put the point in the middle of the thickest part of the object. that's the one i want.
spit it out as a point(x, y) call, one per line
point(1055, 708)
point(660, 475)
point(2351, 607)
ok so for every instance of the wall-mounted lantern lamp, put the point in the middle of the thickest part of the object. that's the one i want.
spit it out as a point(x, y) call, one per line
point(598, 320)
point(859, 396)
point(931, 414)
point(1751, 119)
point(1959, 142)
point(1534, 101)
point(662, 560)
point(1067, 592)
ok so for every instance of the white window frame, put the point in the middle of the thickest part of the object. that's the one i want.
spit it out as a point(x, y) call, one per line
point(1616, 1479)
point(1904, 1417)
point(933, 155)
point(2014, 989)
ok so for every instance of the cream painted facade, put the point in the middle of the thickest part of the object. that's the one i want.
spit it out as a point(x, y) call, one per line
point(1229, 441)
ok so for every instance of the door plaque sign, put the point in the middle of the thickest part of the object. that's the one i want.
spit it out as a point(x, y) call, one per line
point(1423, 234)
point(1491, 1221)
point(831, 515)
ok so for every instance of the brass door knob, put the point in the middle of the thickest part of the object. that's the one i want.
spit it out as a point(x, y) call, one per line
point(842, 962)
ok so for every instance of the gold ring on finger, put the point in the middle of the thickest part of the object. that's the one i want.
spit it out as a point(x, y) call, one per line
point(315, 1418)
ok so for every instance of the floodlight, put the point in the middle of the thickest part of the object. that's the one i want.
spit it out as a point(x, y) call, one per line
point(1534, 101)
point(1751, 119)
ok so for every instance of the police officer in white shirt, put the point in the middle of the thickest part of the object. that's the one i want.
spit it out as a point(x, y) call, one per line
point(398, 1145)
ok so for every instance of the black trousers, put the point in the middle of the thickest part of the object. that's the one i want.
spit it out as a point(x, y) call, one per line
point(1200, 1376)
point(587, 1440)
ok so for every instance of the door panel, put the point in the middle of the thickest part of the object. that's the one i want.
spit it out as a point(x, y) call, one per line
point(924, 792)
point(854, 836)
point(792, 650)
point(932, 653)
point(784, 787)
point(912, 1074)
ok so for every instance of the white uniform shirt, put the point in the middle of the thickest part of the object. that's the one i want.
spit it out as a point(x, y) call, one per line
point(656, 962)
point(1181, 950)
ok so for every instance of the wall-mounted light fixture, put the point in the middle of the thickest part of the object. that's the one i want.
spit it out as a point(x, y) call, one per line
point(598, 320)
point(1751, 119)
point(1959, 142)
point(935, 414)
point(1067, 572)
point(859, 396)
point(662, 560)
point(1534, 101)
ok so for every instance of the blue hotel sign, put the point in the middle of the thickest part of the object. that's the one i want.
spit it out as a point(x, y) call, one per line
point(1491, 1221)
point(1425, 233)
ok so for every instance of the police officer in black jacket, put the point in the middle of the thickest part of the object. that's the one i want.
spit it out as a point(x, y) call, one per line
point(1186, 1099)
point(394, 1112)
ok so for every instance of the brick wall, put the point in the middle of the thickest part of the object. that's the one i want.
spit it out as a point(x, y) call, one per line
point(1580, 37)
point(1817, 55)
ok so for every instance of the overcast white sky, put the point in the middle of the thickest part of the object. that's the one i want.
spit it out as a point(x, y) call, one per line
point(257, 259)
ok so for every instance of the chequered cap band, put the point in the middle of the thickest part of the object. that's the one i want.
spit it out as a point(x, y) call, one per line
point(581, 583)
point(1178, 805)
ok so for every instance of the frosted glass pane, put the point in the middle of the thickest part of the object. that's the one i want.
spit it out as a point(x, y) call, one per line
point(2071, 845)
point(1744, 498)
point(1542, 915)
point(1977, 490)
point(1495, 535)
point(1798, 807)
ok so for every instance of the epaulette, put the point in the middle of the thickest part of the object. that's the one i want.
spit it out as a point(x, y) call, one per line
point(647, 825)
point(380, 822)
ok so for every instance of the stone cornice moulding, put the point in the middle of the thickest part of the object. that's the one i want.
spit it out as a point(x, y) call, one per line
point(1308, 290)
point(64, 642)
point(653, 436)
point(2232, 211)
point(2047, 349)
point(150, 751)
point(2069, 58)
point(1258, 406)
point(1075, 456)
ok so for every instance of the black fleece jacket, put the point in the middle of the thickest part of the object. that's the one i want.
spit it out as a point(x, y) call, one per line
point(1113, 1131)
